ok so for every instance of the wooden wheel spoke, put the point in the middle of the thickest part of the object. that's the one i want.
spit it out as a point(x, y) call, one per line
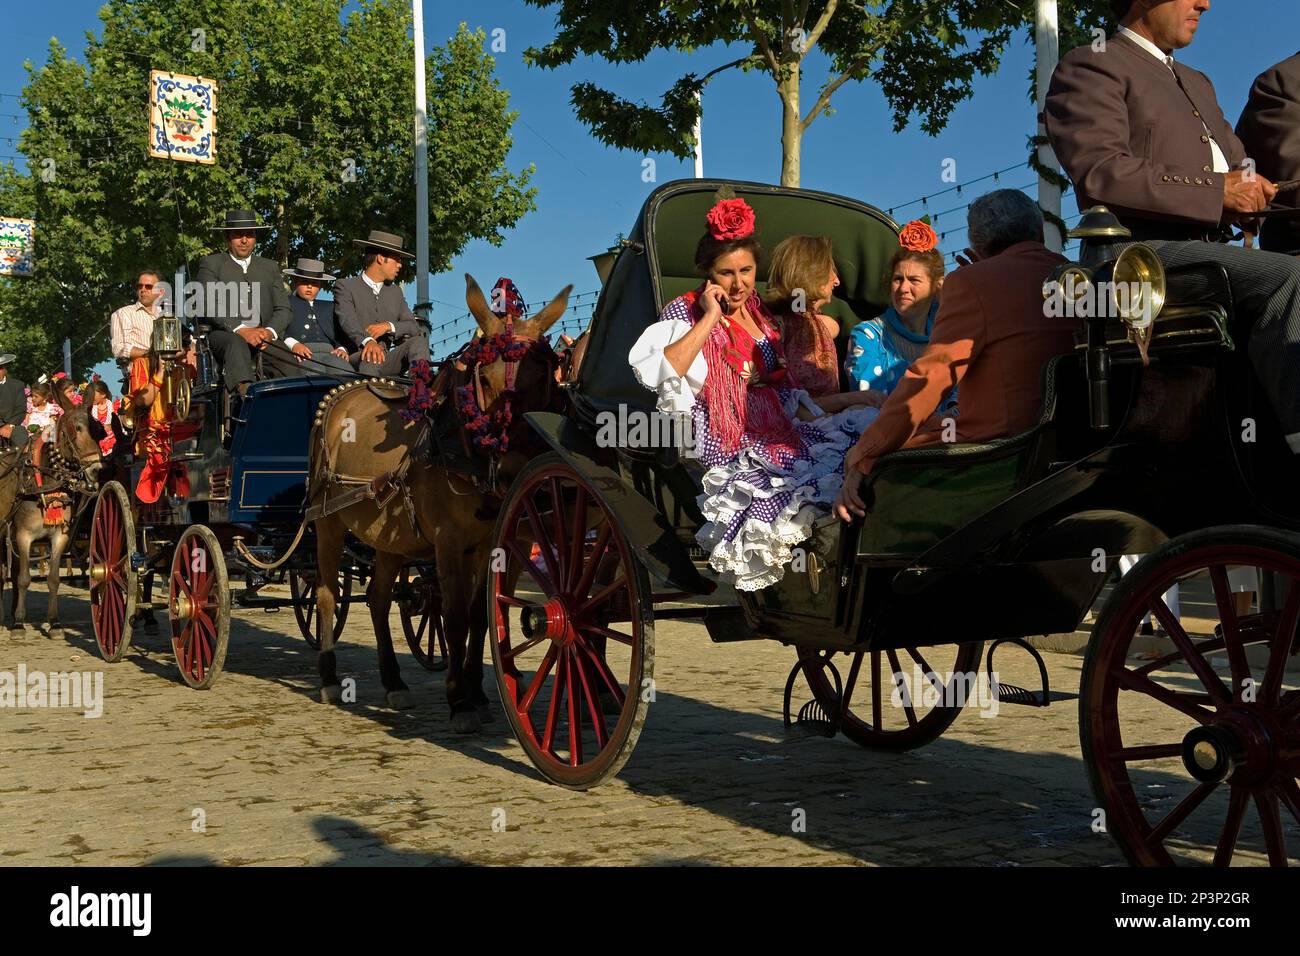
point(1231, 639)
point(543, 539)
point(1174, 628)
point(561, 530)
point(606, 632)
point(509, 600)
point(1180, 813)
point(593, 705)
point(602, 668)
point(876, 707)
point(542, 578)
point(1270, 820)
point(593, 563)
point(1231, 827)
point(604, 594)
point(539, 678)
point(553, 713)
point(1280, 646)
point(1149, 752)
point(1180, 702)
point(1289, 791)
point(575, 721)
point(897, 671)
point(854, 669)
point(577, 544)
point(510, 653)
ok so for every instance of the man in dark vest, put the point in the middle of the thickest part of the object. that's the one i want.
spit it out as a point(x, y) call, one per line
point(243, 301)
point(1144, 135)
point(1270, 130)
point(13, 407)
point(313, 337)
point(373, 313)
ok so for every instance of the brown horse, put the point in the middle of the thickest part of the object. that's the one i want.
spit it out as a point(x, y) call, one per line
point(406, 502)
point(70, 462)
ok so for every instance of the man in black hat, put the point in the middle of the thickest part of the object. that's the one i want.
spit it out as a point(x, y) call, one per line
point(312, 336)
point(373, 313)
point(13, 406)
point(244, 300)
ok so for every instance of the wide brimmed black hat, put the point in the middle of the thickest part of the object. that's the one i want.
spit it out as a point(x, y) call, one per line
point(241, 219)
point(313, 270)
point(385, 242)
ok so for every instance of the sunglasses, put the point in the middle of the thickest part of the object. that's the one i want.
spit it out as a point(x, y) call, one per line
point(144, 285)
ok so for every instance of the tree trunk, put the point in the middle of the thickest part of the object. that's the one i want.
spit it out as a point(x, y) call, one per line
point(791, 133)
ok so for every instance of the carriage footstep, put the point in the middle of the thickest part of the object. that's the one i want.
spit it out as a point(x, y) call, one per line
point(812, 719)
point(1010, 693)
point(331, 694)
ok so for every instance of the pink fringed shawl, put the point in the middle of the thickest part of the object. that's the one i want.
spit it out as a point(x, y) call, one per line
point(741, 392)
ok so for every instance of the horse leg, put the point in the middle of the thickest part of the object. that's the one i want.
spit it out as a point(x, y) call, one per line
point(380, 598)
point(58, 542)
point(478, 625)
point(4, 572)
point(23, 578)
point(329, 548)
point(455, 580)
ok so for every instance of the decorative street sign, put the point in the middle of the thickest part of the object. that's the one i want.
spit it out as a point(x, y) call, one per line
point(17, 248)
point(182, 117)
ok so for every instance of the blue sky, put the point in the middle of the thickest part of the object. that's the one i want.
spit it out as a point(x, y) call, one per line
point(589, 193)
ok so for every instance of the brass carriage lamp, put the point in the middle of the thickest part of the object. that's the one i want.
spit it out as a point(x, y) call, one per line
point(166, 343)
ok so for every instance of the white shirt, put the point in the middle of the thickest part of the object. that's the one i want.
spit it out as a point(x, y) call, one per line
point(242, 263)
point(1220, 162)
point(376, 288)
point(250, 323)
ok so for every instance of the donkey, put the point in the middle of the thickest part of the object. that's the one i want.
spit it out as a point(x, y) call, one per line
point(421, 508)
point(78, 449)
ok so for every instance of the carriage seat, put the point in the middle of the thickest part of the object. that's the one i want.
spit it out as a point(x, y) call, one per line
point(918, 496)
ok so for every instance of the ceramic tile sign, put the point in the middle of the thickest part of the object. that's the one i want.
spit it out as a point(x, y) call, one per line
point(17, 249)
point(182, 117)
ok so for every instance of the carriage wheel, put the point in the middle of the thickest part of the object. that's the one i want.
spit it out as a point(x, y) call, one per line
point(112, 579)
point(422, 623)
point(199, 606)
point(572, 627)
point(1198, 750)
point(898, 708)
point(302, 587)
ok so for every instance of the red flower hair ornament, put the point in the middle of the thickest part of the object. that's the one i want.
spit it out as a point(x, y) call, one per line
point(917, 236)
point(731, 219)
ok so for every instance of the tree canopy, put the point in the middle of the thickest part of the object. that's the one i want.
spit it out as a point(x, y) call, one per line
point(314, 131)
point(924, 55)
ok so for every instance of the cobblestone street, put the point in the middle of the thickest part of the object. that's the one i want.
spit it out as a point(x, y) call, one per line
point(275, 777)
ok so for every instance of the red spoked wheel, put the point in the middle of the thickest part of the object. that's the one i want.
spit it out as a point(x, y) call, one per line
point(112, 578)
point(421, 611)
point(302, 588)
point(1194, 756)
point(572, 627)
point(902, 702)
point(199, 606)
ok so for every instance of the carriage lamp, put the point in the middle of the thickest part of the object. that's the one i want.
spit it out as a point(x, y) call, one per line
point(165, 344)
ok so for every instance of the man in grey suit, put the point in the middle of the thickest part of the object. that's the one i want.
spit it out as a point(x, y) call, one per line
point(1270, 130)
point(244, 300)
point(13, 407)
point(1145, 136)
point(373, 313)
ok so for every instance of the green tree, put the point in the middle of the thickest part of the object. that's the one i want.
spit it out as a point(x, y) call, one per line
point(314, 130)
point(924, 55)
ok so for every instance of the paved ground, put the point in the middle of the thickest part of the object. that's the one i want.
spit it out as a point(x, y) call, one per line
point(277, 778)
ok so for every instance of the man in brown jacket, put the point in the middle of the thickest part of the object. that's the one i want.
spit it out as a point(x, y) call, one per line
point(1270, 130)
point(1144, 135)
point(991, 334)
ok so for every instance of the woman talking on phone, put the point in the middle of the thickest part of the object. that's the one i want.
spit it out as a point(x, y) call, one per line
point(773, 458)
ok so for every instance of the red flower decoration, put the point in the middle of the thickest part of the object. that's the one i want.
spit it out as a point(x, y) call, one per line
point(917, 236)
point(731, 219)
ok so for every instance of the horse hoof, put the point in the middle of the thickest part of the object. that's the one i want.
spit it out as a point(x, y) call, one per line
point(4, 632)
point(484, 712)
point(399, 699)
point(465, 722)
point(55, 633)
point(331, 694)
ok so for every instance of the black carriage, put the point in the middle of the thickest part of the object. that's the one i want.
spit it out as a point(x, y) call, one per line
point(1173, 453)
point(245, 465)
